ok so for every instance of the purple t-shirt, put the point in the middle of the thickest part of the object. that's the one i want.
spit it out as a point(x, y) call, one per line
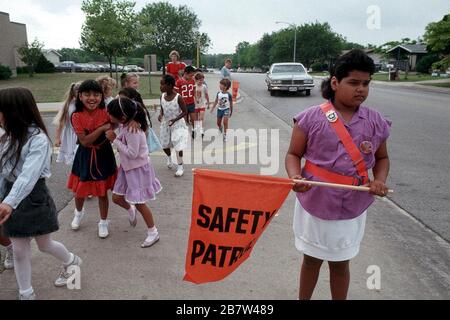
point(369, 130)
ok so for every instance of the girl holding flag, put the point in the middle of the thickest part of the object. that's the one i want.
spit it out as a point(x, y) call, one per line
point(340, 141)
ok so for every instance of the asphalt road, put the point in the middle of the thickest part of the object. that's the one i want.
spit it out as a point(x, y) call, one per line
point(419, 145)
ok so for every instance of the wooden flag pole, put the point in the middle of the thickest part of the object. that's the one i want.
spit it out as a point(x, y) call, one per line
point(329, 185)
point(335, 185)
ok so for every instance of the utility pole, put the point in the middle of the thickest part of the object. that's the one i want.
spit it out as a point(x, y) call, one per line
point(295, 37)
point(198, 53)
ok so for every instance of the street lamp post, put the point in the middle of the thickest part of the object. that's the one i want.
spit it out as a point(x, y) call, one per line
point(295, 36)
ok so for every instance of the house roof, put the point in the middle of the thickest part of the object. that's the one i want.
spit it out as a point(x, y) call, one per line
point(51, 51)
point(411, 48)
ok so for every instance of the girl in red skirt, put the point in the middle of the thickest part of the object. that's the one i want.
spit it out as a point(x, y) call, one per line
point(94, 168)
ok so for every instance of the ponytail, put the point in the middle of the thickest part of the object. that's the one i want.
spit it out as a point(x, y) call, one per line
point(327, 91)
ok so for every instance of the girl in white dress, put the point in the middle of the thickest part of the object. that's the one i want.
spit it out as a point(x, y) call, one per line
point(174, 131)
point(66, 139)
point(201, 101)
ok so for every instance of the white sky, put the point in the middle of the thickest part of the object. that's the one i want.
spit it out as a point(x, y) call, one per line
point(57, 23)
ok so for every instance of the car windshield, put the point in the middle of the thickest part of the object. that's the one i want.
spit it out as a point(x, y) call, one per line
point(288, 69)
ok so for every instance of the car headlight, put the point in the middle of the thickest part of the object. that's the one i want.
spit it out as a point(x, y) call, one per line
point(276, 81)
point(309, 81)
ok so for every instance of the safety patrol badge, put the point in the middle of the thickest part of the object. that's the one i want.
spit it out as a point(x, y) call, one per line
point(332, 116)
point(366, 147)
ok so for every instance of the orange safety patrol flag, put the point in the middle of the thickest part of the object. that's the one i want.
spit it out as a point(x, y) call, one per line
point(230, 211)
point(235, 90)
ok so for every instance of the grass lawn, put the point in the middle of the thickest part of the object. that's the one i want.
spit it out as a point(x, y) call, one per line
point(411, 77)
point(442, 85)
point(52, 87)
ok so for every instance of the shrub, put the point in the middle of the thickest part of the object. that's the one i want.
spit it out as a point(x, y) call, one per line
point(22, 70)
point(44, 66)
point(5, 72)
point(319, 67)
point(424, 64)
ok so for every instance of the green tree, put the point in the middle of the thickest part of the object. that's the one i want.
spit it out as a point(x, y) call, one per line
point(166, 28)
point(264, 46)
point(30, 54)
point(80, 55)
point(437, 36)
point(352, 45)
point(316, 42)
point(110, 29)
point(44, 66)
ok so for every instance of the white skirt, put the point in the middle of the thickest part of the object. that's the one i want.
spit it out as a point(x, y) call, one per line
point(329, 240)
point(69, 145)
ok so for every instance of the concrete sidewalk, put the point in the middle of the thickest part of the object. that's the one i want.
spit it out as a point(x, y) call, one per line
point(413, 261)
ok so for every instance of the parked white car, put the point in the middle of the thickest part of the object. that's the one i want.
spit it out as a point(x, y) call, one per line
point(289, 77)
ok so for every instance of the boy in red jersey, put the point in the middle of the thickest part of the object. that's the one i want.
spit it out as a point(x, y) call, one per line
point(186, 88)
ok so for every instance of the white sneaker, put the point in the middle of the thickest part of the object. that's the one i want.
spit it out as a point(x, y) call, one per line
point(180, 171)
point(9, 258)
point(29, 297)
point(151, 240)
point(132, 218)
point(225, 138)
point(170, 163)
point(103, 229)
point(64, 274)
point(78, 216)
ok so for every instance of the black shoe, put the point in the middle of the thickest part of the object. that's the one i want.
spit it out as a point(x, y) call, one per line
point(193, 134)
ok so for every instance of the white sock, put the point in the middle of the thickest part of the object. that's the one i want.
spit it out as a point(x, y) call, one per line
point(26, 293)
point(152, 230)
point(72, 258)
point(103, 221)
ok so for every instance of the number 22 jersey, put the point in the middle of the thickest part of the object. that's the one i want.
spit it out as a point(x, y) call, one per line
point(186, 88)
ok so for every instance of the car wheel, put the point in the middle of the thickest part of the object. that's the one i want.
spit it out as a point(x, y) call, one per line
point(308, 93)
point(272, 93)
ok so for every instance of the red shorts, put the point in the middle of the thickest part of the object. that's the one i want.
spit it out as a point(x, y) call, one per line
point(198, 110)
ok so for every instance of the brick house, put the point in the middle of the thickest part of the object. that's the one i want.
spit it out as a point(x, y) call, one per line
point(13, 35)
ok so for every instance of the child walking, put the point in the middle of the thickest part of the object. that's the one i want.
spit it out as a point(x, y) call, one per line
point(136, 181)
point(340, 140)
point(65, 137)
point(201, 102)
point(173, 132)
point(94, 166)
point(27, 210)
point(129, 80)
point(8, 263)
point(108, 84)
point(224, 101)
point(186, 88)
